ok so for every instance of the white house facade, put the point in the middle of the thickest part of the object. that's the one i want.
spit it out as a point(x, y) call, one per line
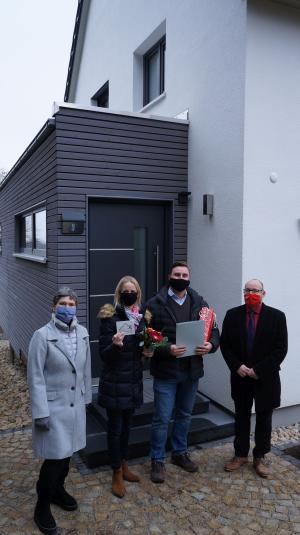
point(232, 68)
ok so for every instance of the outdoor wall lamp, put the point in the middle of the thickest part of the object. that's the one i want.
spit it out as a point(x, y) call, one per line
point(72, 222)
point(208, 204)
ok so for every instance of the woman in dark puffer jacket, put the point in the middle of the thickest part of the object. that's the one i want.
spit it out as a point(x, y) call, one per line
point(121, 381)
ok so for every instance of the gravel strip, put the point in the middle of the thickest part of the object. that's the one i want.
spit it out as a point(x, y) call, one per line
point(290, 433)
point(14, 398)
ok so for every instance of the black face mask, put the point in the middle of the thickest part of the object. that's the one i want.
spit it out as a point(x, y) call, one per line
point(128, 298)
point(179, 284)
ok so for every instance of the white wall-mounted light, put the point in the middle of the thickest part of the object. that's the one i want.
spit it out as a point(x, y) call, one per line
point(273, 177)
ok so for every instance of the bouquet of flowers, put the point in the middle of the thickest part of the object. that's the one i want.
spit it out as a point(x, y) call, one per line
point(208, 315)
point(151, 338)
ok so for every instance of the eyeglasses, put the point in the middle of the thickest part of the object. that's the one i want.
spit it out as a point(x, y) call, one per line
point(252, 291)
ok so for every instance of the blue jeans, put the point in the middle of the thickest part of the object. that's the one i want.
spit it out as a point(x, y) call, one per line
point(176, 393)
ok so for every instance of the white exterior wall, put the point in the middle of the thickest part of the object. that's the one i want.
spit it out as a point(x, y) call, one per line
point(271, 234)
point(238, 74)
point(205, 59)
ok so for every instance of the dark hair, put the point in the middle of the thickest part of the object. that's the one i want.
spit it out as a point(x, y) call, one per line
point(65, 292)
point(178, 263)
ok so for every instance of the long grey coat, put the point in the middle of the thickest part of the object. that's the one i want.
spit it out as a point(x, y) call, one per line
point(59, 388)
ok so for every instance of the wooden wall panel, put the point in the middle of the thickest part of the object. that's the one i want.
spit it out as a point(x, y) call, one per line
point(26, 287)
point(89, 154)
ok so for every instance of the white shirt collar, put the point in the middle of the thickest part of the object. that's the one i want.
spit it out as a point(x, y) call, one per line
point(179, 300)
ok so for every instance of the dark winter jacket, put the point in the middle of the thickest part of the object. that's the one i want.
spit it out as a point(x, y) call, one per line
point(269, 349)
point(121, 378)
point(163, 364)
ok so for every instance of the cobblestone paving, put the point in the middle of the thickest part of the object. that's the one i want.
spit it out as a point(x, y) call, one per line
point(209, 502)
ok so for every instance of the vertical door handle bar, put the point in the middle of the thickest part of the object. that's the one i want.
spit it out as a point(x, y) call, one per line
point(157, 268)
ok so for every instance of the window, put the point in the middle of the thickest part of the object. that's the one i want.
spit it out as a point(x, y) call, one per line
point(101, 98)
point(32, 233)
point(154, 71)
point(0, 238)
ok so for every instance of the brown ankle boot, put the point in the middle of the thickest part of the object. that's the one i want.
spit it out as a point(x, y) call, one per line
point(118, 488)
point(235, 463)
point(128, 475)
point(260, 467)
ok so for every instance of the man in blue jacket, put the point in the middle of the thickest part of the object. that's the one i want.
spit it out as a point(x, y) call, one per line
point(175, 379)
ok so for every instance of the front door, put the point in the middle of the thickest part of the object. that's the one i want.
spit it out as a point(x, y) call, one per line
point(125, 238)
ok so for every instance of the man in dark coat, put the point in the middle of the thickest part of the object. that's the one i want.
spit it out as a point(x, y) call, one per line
point(175, 379)
point(253, 344)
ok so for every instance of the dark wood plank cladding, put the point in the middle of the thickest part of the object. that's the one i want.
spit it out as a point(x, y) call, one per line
point(90, 154)
point(103, 154)
point(110, 155)
point(26, 288)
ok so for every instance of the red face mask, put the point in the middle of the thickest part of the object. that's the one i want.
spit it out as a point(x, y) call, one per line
point(252, 300)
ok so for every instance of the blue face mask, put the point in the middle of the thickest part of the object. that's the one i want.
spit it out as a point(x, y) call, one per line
point(65, 314)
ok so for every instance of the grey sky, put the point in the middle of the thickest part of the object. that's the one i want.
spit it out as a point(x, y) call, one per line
point(35, 44)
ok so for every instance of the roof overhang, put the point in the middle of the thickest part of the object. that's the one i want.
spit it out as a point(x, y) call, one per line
point(76, 49)
point(57, 106)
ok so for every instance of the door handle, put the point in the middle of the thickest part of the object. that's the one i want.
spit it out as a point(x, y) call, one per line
point(156, 253)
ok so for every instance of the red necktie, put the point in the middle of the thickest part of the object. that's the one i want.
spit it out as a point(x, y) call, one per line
point(250, 332)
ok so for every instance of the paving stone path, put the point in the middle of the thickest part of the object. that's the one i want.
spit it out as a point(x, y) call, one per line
point(209, 502)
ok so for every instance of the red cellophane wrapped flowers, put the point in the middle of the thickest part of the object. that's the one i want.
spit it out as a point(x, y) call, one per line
point(208, 316)
point(151, 338)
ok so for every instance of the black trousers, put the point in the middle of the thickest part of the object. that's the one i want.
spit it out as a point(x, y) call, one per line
point(118, 429)
point(263, 425)
point(53, 473)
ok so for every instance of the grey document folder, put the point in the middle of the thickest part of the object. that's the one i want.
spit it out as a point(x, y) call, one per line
point(190, 334)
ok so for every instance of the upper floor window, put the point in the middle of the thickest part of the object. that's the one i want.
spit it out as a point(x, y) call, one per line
point(101, 98)
point(154, 71)
point(32, 233)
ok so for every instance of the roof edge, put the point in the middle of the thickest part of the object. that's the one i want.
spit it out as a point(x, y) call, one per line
point(77, 44)
point(43, 133)
point(59, 106)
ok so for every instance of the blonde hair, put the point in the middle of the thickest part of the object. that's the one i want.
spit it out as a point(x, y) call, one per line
point(118, 290)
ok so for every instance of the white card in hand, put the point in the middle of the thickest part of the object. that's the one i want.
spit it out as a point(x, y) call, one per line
point(126, 327)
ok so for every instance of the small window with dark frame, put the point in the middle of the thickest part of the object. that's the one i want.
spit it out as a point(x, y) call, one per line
point(32, 233)
point(154, 71)
point(101, 98)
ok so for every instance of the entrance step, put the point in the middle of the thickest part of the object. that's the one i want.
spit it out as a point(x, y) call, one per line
point(143, 415)
point(214, 424)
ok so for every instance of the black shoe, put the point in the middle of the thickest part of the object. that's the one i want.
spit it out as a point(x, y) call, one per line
point(44, 519)
point(183, 460)
point(158, 471)
point(64, 500)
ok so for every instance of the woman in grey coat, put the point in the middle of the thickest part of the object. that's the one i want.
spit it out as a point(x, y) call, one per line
point(59, 380)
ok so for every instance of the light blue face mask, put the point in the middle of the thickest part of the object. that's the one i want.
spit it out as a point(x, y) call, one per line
point(65, 314)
